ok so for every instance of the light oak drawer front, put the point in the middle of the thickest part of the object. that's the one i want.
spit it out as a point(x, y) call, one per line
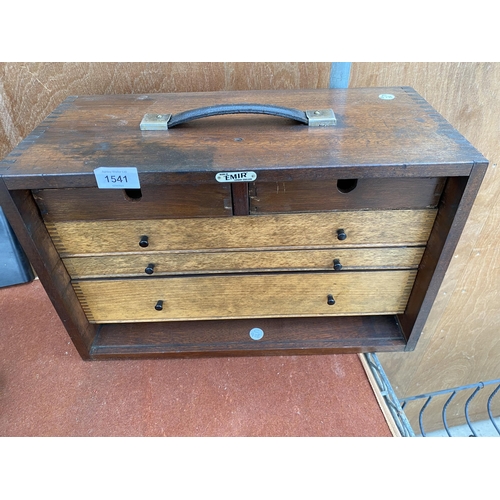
point(370, 228)
point(247, 296)
point(159, 264)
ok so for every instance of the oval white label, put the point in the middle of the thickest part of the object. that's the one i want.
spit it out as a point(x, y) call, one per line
point(235, 176)
point(386, 97)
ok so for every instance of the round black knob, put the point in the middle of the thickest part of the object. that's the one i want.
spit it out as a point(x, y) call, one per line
point(144, 242)
point(330, 300)
point(337, 265)
point(341, 234)
point(150, 269)
point(159, 305)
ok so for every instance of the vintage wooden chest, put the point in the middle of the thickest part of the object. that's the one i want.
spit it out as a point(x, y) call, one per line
point(265, 231)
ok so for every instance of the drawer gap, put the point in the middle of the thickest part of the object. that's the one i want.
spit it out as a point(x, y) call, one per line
point(241, 200)
point(253, 249)
point(247, 273)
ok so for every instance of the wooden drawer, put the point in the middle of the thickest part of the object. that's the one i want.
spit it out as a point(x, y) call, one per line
point(369, 228)
point(129, 265)
point(245, 296)
point(345, 194)
point(149, 202)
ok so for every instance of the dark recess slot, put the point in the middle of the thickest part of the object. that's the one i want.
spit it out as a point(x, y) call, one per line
point(347, 185)
point(133, 194)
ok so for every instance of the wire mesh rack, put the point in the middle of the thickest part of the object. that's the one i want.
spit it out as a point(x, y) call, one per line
point(489, 427)
point(480, 394)
point(390, 398)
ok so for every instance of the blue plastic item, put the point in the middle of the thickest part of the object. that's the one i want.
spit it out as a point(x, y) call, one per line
point(14, 265)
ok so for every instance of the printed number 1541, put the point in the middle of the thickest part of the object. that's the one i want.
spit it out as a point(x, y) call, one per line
point(116, 178)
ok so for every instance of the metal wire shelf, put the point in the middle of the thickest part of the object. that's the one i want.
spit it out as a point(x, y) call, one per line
point(475, 388)
point(397, 406)
point(389, 396)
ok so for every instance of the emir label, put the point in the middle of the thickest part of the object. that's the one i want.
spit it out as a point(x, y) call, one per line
point(117, 178)
point(235, 176)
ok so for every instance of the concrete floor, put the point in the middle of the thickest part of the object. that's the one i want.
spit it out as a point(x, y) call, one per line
point(47, 390)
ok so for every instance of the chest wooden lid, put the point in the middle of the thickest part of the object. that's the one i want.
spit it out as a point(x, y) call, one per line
point(374, 137)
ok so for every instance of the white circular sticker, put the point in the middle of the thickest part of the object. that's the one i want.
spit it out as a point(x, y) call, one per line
point(386, 97)
point(256, 333)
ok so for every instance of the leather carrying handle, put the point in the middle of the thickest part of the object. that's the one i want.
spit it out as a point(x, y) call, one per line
point(233, 109)
point(323, 117)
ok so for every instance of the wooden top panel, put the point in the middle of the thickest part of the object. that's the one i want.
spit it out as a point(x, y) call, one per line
point(87, 132)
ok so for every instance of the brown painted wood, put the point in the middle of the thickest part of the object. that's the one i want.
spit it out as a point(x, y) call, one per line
point(378, 135)
point(86, 180)
point(318, 230)
point(456, 204)
point(351, 259)
point(21, 212)
point(292, 336)
point(345, 194)
point(151, 201)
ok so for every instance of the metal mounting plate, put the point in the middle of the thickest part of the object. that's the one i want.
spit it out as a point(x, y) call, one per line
point(154, 121)
point(321, 118)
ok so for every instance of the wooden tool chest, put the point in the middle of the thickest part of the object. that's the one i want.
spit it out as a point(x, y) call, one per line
point(243, 227)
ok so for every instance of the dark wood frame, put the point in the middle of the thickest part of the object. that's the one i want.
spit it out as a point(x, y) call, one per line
point(230, 337)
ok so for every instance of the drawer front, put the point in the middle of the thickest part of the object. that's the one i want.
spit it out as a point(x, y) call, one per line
point(245, 296)
point(345, 194)
point(150, 202)
point(368, 228)
point(159, 264)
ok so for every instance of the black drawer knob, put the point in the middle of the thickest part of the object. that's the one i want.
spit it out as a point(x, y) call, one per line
point(341, 234)
point(150, 269)
point(337, 265)
point(330, 300)
point(144, 241)
point(159, 305)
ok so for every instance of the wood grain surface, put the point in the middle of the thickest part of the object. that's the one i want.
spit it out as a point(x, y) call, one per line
point(23, 216)
point(460, 344)
point(88, 132)
point(282, 336)
point(152, 202)
point(370, 228)
point(344, 194)
point(237, 262)
point(460, 341)
point(263, 296)
point(30, 91)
